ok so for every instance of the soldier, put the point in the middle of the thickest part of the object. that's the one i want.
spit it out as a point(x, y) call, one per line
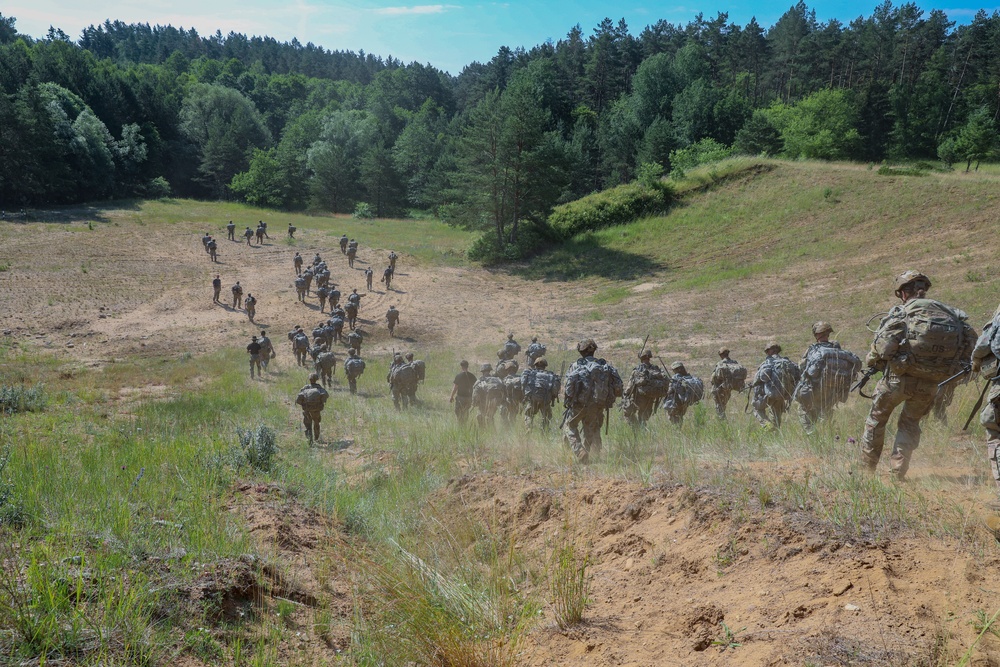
point(231, 230)
point(354, 340)
point(262, 226)
point(505, 367)
point(321, 294)
point(827, 373)
point(351, 309)
point(773, 385)
point(253, 349)
point(534, 351)
point(387, 277)
point(291, 231)
point(325, 364)
point(248, 235)
point(644, 389)
point(297, 262)
point(237, 295)
point(213, 250)
point(487, 396)
point(986, 354)
point(266, 349)
point(461, 392)
point(204, 241)
point(300, 288)
point(337, 324)
point(392, 319)
point(354, 367)
point(355, 298)
point(300, 346)
point(307, 276)
point(369, 274)
point(311, 399)
point(684, 391)
point(352, 253)
point(920, 343)
point(251, 306)
point(216, 288)
point(592, 385)
point(334, 296)
point(400, 378)
point(510, 348)
point(728, 376)
point(317, 260)
point(540, 387)
point(392, 259)
point(343, 244)
point(420, 372)
point(513, 397)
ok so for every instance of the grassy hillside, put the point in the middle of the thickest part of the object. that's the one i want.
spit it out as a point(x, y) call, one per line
point(136, 529)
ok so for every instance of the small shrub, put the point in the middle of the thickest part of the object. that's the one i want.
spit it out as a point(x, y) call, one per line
point(488, 250)
point(569, 586)
point(22, 399)
point(157, 188)
point(616, 206)
point(257, 448)
point(363, 211)
point(705, 151)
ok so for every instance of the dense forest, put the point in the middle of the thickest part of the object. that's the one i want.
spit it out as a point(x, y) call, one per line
point(140, 110)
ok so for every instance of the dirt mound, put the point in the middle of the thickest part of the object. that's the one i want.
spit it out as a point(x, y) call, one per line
point(677, 578)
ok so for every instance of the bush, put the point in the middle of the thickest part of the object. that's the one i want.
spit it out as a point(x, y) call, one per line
point(488, 250)
point(157, 188)
point(11, 511)
point(703, 152)
point(22, 399)
point(257, 448)
point(363, 211)
point(616, 206)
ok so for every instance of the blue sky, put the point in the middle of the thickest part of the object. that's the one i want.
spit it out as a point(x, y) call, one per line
point(448, 35)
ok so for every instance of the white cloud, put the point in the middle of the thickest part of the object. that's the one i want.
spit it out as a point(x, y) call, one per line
point(415, 9)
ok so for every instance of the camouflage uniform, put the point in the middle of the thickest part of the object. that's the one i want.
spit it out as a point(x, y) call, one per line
point(392, 260)
point(392, 319)
point(326, 364)
point(354, 340)
point(251, 306)
point(369, 275)
point(722, 385)
point(297, 262)
point(216, 289)
point(291, 230)
point(300, 288)
point(343, 244)
point(354, 367)
point(890, 352)
point(982, 355)
point(254, 350)
point(679, 393)
point(400, 378)
point(300, 345)
point(487, 396)
point(248, 235)
point(266, 349)
point(581, 409)
point(387, 277)
point(237, 290)
point(772, 386)
point(644, 389)
point(231, 230)
point(321, 294)
point(821, 388)
point(213, 250)
point(352, 253)
point(311, 399)
point(538, 401)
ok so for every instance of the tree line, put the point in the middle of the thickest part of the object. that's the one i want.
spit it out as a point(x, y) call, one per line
point(133, 110)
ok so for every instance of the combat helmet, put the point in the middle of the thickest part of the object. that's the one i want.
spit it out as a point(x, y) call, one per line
point(485, 367)
point(723, 351)
point(586, 345)
point(678, 367)
point(911, 276)
point(541, 362)
point(646, 354)
point(772, 344)
point(821, 327)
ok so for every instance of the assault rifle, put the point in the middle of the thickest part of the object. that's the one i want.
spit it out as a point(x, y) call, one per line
point(965, 370)
point(863, 380)
point(979, 403)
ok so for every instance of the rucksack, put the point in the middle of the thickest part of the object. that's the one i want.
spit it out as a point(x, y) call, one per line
point(779, 376)
point(541, 385)
point(731, 375)
point(488, 391)
point(536, 350)
point(513, 391)
point(420, 368)
point(937, 340)
point(300, 342)
point(403, 375)
point(511, 348)
point(326, 360)
point(506, 368)
point(685, 390)
point(647, 383)
point(312, 397)
point(592, 382)
point(354, 366)
point(830, 366)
